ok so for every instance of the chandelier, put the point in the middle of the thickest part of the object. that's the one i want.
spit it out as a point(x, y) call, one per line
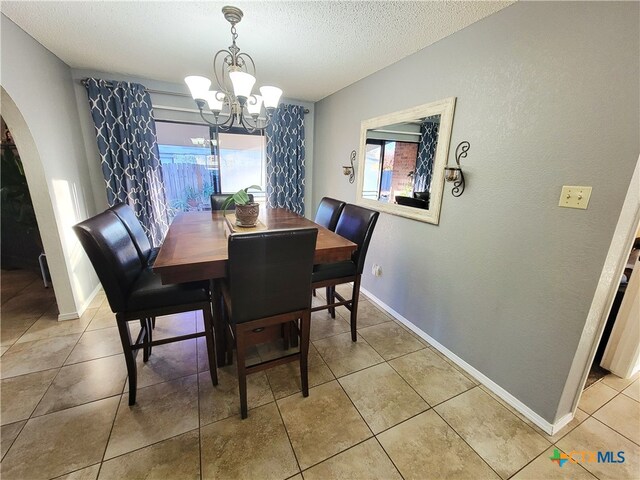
point(233, 104)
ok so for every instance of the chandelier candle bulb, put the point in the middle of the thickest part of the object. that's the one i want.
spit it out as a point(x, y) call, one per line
point(215, 100)
point(254, 107)
point(242, 84)
point(270, 96)
point(198, 86)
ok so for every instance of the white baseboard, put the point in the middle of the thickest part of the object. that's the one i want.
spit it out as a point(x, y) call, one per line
point(549, 428)
point(75, 315)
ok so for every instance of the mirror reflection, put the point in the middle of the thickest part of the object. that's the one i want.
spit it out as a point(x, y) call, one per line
point(402, 159)
point(398, 163)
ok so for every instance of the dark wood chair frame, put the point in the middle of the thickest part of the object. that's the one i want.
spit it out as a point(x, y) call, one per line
point(334, 299)
point(145, 340)
point(258, 331)
point(331, 296)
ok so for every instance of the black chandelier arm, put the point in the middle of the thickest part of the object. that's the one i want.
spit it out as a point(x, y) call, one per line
point(246, 122)
point(226, 125)
point(220, 82)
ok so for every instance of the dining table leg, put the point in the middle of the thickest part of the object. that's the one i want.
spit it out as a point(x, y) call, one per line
point(218, 324)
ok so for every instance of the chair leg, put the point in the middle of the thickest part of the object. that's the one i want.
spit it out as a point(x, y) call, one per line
point(331, 299)
point(286, 335)
point(293, 329)
point(218, 323)
point(211, 344)
point(153, 322)
point(314, 292)
point(227, 336)
point(242, 372)
point(149, 322)
point(144, 326)
point(125, 338)
point(305, 328)
point(354, 307)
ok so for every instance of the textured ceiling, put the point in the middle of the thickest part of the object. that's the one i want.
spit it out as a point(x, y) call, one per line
point(309, 49)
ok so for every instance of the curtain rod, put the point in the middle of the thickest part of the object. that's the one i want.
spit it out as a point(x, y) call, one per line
point(159, 92)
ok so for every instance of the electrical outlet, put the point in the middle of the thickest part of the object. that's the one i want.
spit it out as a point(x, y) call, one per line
point(376, 270)
point(575, 197)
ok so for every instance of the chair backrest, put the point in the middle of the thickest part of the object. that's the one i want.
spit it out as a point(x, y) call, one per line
point(411, 202)
point(130, 220)
point(328, 213)
point(217, 199)
point(270, 272)
point(113, 255)
point(423, 196)
point(357, 224)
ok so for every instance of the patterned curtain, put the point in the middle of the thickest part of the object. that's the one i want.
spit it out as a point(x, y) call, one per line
point(126, 136)
point(426, 154)
point(285, 159)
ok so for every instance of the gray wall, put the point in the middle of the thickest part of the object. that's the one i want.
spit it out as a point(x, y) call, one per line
point(88, 130)
point(45, 117)
point(547, 94)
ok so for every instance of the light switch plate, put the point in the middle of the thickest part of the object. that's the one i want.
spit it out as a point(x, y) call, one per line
point(575, 197)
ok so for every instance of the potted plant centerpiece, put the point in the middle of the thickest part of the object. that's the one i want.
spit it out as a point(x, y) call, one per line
point(246, 210)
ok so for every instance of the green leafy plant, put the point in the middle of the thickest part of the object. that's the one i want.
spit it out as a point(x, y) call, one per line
point(14, 191)
point(241, 197)
point(192, 195)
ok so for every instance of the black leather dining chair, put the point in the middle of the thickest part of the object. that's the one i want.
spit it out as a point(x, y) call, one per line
point(268, 288)
point(355, 224)
point(217, 200)
point(134, 292)
point(328, 213)
point(128, 217)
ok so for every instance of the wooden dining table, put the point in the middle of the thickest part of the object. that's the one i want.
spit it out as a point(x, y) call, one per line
point(195, 248)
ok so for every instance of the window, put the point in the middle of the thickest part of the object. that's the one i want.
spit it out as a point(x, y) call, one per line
point(190, 166)
point(389, 169)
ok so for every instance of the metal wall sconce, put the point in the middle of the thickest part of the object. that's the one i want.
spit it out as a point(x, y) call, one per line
point(454, 174)
point(348, 170)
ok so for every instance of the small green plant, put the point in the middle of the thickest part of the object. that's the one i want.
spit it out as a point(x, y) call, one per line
point(241, 197)
point(192, 195)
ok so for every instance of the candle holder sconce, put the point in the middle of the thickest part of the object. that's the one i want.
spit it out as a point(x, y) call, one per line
point(454, 174)
point(349, 170)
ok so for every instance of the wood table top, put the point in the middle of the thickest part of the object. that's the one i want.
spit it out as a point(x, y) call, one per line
point(195, 247)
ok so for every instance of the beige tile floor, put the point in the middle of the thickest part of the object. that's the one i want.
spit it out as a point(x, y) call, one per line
point(386, 407)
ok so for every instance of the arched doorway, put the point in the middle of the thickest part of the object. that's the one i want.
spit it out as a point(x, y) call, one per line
point(41, 199)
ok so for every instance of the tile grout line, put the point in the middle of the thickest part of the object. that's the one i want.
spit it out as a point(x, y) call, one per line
point(609, 426)
point(113, 423)
point(389, 456)
point(16, 437)
point(515, 415)
point(36, 279)
point(284, 425)
point(56, 376)
point(465, 441)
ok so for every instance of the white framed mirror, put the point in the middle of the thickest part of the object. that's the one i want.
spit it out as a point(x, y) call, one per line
point(402, 159)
